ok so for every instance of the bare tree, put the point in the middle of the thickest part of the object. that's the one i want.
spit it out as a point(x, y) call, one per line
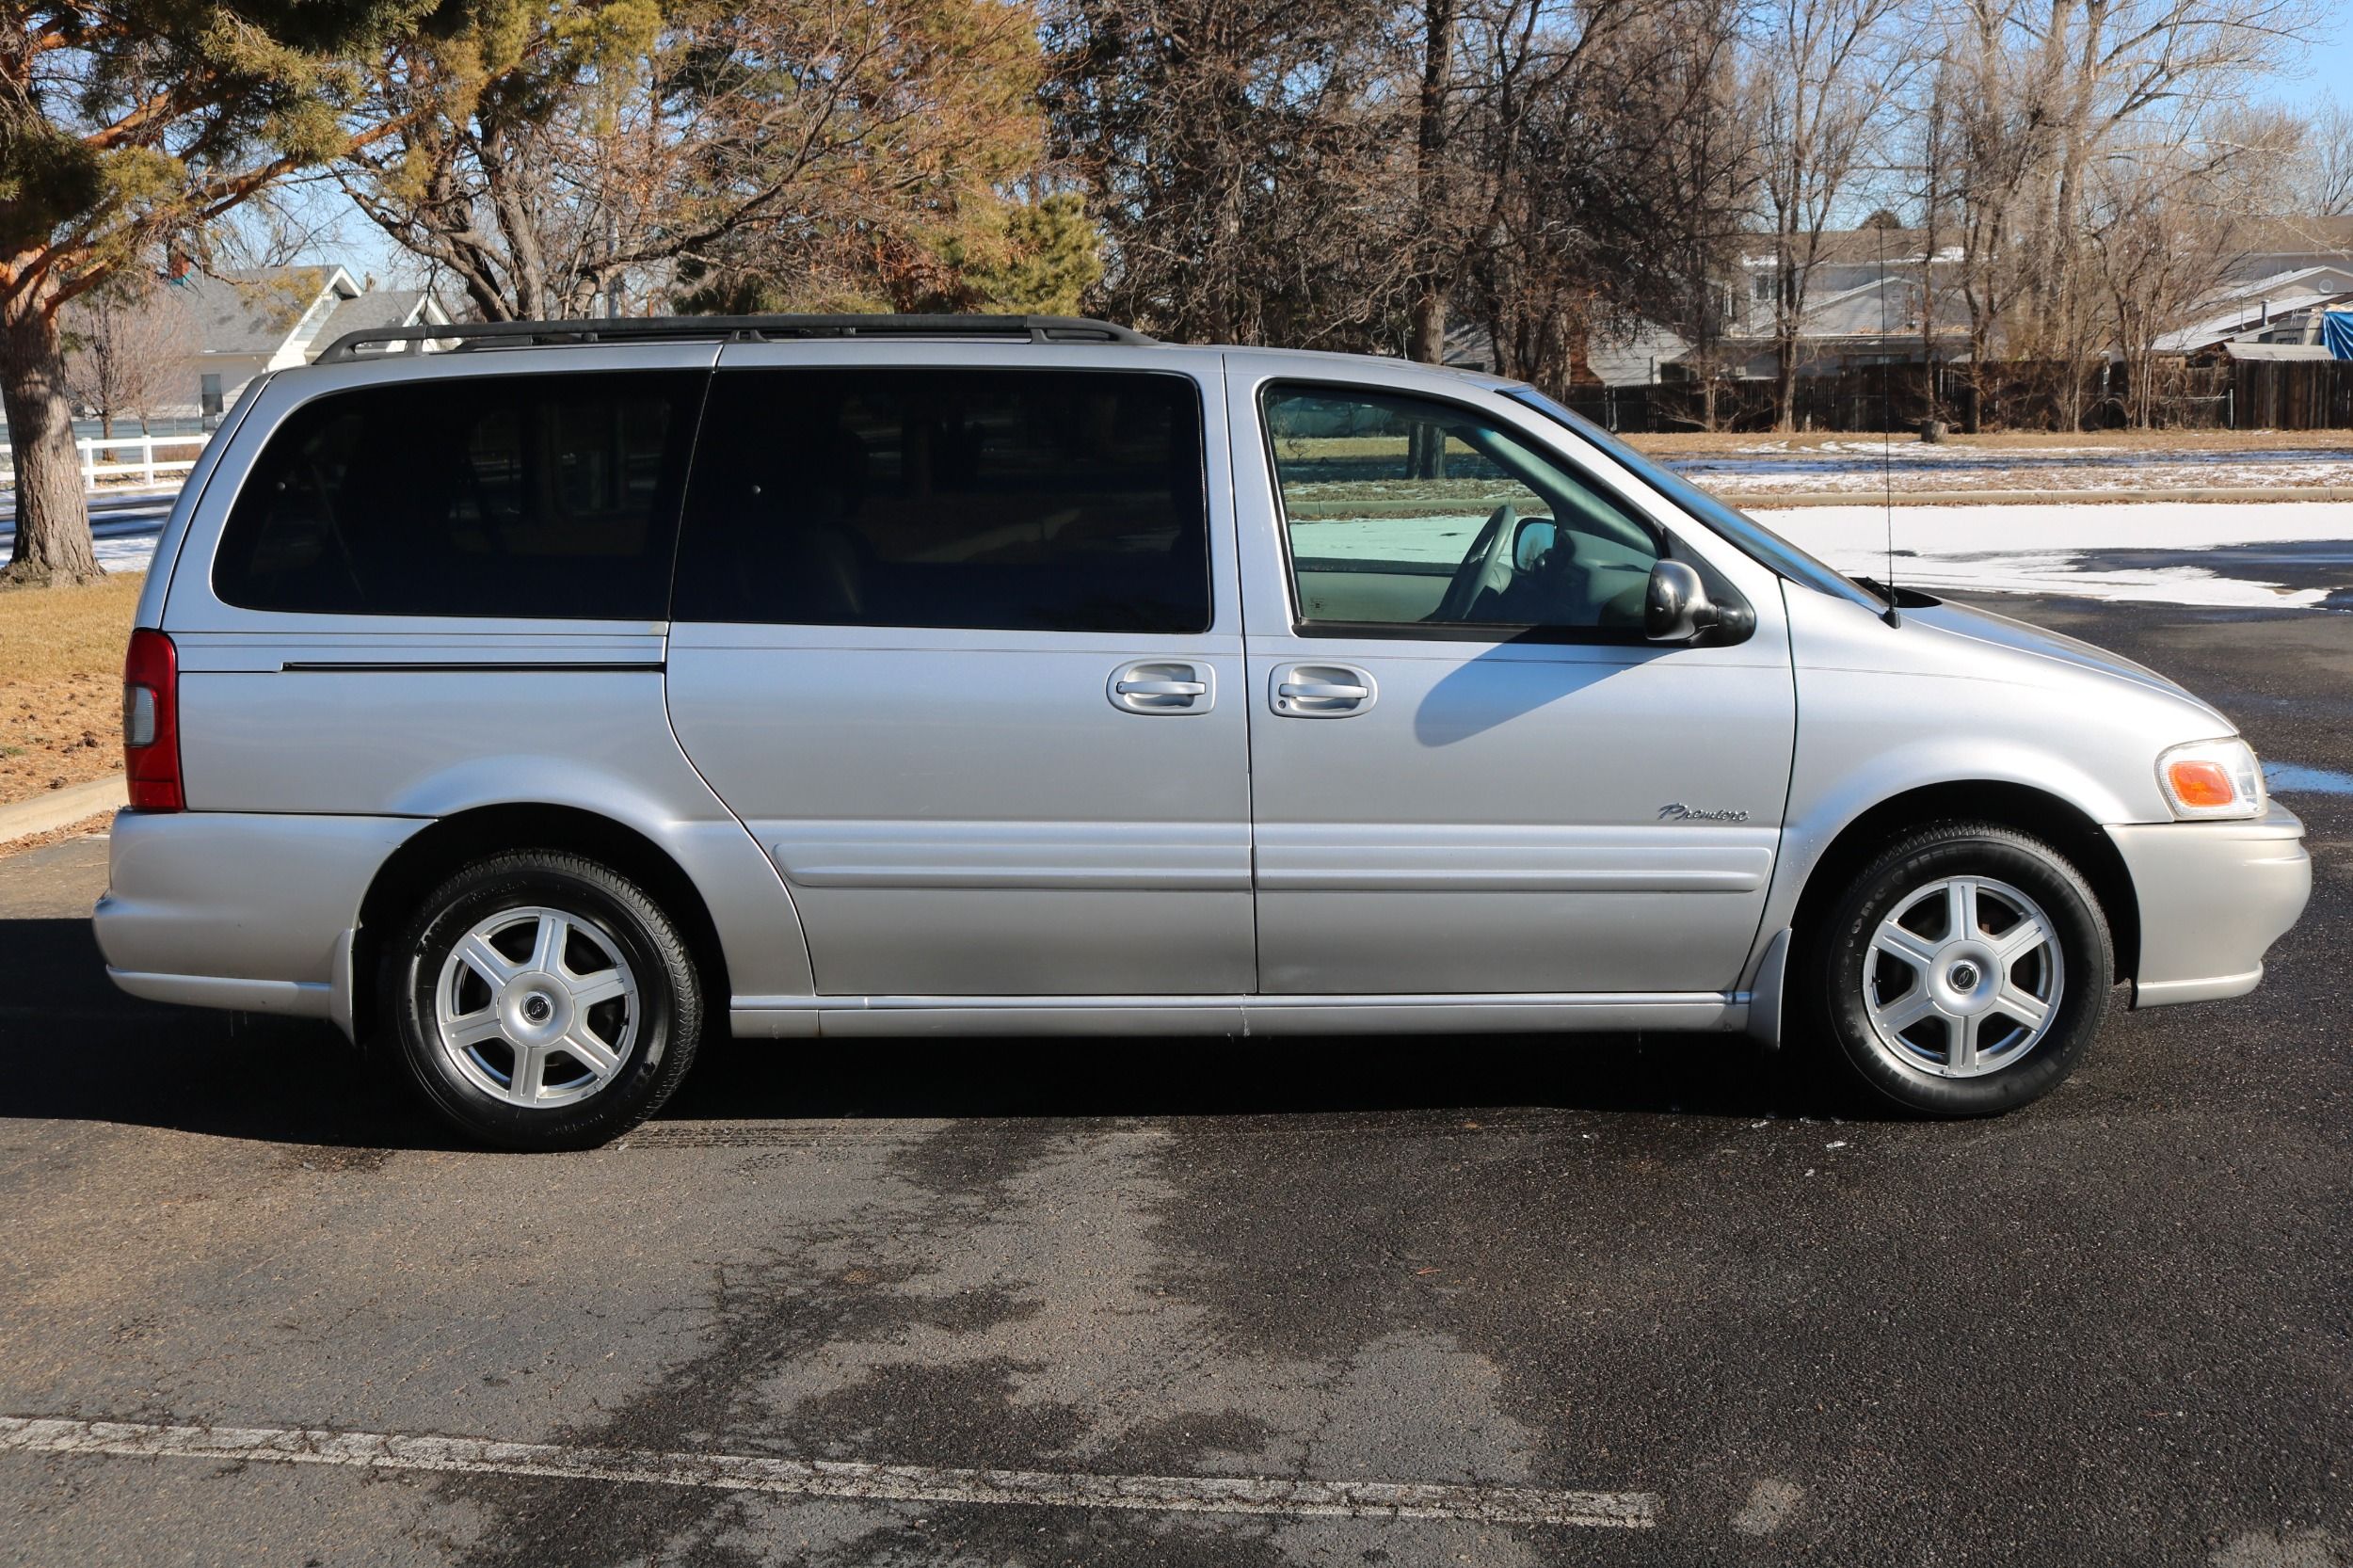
point(127, 350)
point(2168, 222)
point(2326, 164)
point(1827, 72)
point(2111, 72)
point(1252, 167)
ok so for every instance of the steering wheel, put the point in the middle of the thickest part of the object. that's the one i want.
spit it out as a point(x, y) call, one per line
point(1488, 565)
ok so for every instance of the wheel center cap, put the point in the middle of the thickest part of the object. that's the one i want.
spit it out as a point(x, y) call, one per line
point(1964, 976)
point(535, 1009)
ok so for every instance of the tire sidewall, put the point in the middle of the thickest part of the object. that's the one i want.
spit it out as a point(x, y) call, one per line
point(2035, 870)
point(666, 993)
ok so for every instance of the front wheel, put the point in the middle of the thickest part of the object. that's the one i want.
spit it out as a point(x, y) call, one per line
point(542, 1002)
point(1965, 970)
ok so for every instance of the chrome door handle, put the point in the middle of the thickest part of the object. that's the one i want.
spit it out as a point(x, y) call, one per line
point(1323, 690)
point(1164, 686)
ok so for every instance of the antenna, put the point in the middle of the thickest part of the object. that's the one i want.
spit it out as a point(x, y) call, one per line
point(1887, 438)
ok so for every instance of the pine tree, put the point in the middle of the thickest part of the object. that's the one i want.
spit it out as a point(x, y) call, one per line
point(125, 124)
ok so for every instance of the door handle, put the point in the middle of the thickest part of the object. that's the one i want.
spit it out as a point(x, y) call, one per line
point(1164, 686)
point(1323, 690)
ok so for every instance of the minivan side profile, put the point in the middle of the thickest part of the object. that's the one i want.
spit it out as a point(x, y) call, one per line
point(537, 707)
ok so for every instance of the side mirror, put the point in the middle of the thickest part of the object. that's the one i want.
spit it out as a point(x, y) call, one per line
point(1675, 607)
point(1536, 536)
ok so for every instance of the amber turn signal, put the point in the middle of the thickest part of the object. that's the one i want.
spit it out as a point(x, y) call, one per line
point(2202, 783)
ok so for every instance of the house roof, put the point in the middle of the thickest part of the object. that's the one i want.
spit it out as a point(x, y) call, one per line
point(2275, 236)
point(2277, 351)
point(2251, 315)
point(253, 311)
point(379, 308)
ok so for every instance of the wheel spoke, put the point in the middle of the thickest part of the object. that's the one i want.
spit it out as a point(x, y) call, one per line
point(588, 990)
point(547, 946)
point(477, 955)
point(1908, 1009)
point(589, 1052)
point(474, 1029)
point(531, 1067)
point(1907, 946)
point(2020, 940)
point(1960, 908)
point(2032, 1011)
point(1960, 1041)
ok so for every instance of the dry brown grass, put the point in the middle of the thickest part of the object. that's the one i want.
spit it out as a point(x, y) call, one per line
point(61, 683)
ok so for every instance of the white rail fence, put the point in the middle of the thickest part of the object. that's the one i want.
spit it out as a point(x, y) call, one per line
point(143, 465)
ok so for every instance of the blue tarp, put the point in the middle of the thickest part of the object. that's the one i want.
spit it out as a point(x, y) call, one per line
point(2336, 331)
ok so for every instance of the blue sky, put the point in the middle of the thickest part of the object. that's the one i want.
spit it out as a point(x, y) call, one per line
point(2327, 66)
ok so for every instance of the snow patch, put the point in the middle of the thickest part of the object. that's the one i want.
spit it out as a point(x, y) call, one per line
point(2043, 548)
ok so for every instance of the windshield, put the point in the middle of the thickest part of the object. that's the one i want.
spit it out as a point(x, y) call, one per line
point(1741, 529)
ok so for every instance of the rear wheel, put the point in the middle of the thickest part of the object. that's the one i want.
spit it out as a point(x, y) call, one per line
point(541, 1000)
point(1965, 970)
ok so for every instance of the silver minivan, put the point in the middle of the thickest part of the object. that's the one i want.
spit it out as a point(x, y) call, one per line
point(539, 705)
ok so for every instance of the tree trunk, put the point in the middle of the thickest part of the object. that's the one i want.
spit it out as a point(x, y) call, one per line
point(53, 538)
point(1426, 342)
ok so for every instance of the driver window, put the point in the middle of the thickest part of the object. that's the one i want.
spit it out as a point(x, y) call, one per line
point(1407, 511)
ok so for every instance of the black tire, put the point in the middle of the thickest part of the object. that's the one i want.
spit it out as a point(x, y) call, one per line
point(656, 1031)
point(1906, 1074)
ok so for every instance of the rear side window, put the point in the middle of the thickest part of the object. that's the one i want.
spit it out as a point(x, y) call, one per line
point(529, 497)
point(1013, 499)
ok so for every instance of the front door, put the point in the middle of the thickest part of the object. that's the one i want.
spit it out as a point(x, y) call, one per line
point(1471, 774)
point(959, 643)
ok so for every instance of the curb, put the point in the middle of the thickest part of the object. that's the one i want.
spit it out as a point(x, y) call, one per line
point(61, 808)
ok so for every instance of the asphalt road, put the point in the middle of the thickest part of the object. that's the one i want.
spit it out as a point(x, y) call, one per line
point(2114, 1328)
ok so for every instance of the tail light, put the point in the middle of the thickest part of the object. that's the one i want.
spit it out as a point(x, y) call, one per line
point(151, 723)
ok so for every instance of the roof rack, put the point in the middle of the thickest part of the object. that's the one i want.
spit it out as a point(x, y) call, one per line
point(495, 334)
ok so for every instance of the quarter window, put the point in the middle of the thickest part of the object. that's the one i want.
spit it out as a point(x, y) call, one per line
point(1406, 511)
point(1014, 499)
point(513, 497)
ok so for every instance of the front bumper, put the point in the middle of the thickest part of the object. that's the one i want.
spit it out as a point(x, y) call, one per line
point(2213, 896)
point(227, 909)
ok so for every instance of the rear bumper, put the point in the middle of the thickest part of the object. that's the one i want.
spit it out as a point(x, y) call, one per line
point(2213, 896)
point(222, 909)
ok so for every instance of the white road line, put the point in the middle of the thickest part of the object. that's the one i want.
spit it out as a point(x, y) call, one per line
point(827, 1477)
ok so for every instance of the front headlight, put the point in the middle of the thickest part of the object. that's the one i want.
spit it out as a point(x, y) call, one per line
point(2212, 778)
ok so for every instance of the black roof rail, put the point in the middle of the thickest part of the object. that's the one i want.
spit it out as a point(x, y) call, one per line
point(482, 335)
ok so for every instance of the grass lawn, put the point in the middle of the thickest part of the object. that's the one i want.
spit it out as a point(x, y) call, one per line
point(61, 683)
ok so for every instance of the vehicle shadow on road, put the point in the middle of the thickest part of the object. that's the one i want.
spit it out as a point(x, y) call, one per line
point(73, 1047)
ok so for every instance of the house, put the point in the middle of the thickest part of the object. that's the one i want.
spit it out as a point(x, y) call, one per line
point(1864, 297)
point(1626, 354)
point(271, 318)
point(2284, 310)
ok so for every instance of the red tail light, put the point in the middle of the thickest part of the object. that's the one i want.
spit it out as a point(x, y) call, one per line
point(150, 722)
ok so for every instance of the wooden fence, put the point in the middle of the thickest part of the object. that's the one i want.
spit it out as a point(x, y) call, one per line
point(2313, 395)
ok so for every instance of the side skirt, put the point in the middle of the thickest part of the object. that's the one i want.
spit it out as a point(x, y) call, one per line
point(1564, 1013)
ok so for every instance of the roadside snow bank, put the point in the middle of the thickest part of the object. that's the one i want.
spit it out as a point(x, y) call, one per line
point(2042, 549)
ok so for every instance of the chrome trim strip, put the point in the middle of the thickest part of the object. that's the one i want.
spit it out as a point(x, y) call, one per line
point(1257, 1003)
